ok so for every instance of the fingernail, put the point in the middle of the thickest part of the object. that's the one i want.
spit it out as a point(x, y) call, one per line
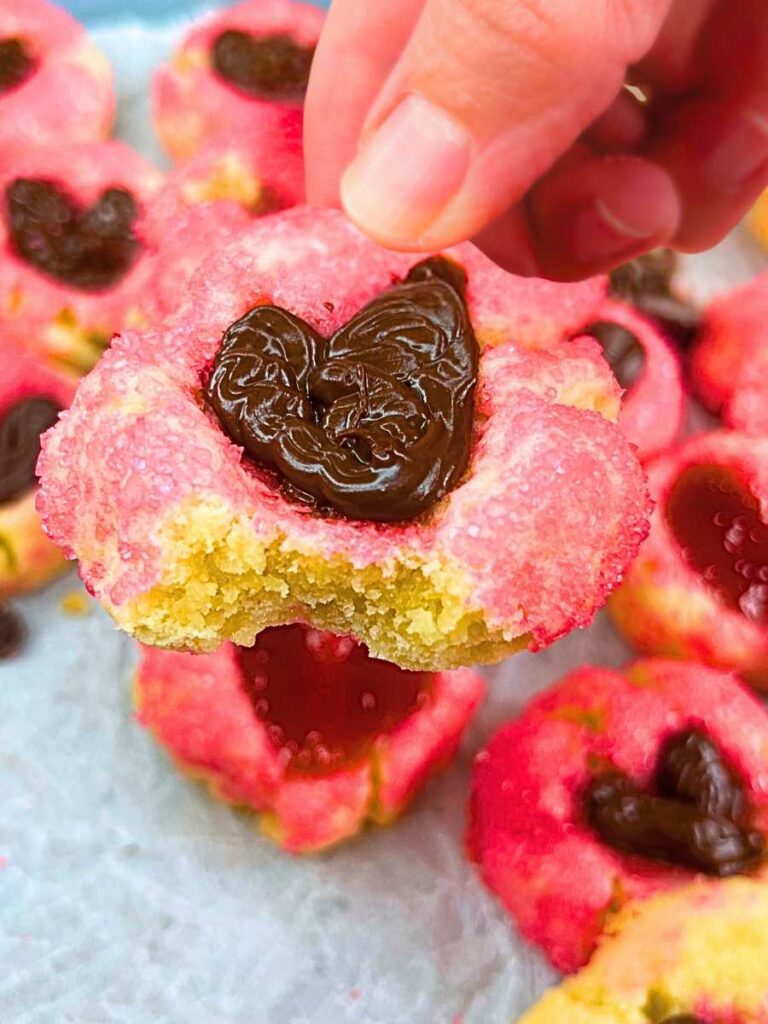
point(407, 173)
point(599, 233)
point(740, 152)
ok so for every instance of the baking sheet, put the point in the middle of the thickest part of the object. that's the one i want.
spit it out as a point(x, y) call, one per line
point(127, 895)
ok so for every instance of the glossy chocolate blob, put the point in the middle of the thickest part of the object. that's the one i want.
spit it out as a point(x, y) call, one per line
point(698, 816)
point(267, 67)
point(717, 523)
point(16, 64)
point(87, 249)
point(323, 699)
point(12, 633)
point(21, 426)
point(623, 352)
point(373, 423)
point(646, 283)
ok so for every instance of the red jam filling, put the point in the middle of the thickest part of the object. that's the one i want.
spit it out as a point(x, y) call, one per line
point(323, 699)
point(716, 520)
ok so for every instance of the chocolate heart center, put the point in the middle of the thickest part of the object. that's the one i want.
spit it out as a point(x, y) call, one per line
point(270, 67)
point(374, 422)
point(88, 249)
point(20, 429)
point(12, 633)
point(697, 817)
point(647, 284)
point(16, 64)
point(623, 352)
point(323, 699)
point(716, 521)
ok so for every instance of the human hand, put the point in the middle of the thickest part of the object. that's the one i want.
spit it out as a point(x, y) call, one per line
point(507, 121)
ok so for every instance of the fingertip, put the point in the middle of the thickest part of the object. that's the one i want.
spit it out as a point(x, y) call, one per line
point(592, 214)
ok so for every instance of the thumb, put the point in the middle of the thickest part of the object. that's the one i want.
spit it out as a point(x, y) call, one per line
point(487, 95)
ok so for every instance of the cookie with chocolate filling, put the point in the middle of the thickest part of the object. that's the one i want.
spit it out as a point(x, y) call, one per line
point(31, 398)
point(73, 271)
point(305, 729)
point(614, 786)
point(699, 587)
point(412, 451)
point(244, 70)
point(55, 85)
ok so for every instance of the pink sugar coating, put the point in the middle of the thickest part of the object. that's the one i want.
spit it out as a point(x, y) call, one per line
point(84, 171)
point(192, 106)
point(64, 102)
point(198, 710)
point(651, 608)
point(652, 409)
point(24, 376)
point(561, 483)
point(729, 365)
point(184, 232)
point(527, 834)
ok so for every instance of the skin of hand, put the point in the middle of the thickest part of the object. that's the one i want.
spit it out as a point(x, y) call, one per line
point(563, 136)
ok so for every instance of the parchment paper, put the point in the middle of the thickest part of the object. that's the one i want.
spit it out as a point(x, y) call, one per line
point(127, 895)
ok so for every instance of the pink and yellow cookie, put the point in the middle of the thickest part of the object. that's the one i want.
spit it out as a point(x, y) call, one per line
point(695, 956)
point(410, 451)
point(214, 197)
point(699, 587)
point(31, 398)
point(55, 86)
point(305, 729)
point(648, 370)
point(72, 270)
point(729, 366)
point(243, 70)
point(613, 786)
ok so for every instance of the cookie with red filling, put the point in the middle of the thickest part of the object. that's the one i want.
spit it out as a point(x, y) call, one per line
point(614, 786)
point(694, 956)
point(648, 369)
point(55, 86)
point(31, 398)
point(729, 366)
point(306, 729)
point(209, 200)
point(408, 450)
point(73, 271)
point(244, 70)
point(699, 587)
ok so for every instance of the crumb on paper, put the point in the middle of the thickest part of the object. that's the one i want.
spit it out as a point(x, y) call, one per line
point(76, 603)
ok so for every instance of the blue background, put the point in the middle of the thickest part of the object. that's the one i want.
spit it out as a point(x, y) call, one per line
point(93, 11)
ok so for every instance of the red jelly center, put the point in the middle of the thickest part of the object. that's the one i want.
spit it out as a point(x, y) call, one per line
point(323, 699)
point(716, 520)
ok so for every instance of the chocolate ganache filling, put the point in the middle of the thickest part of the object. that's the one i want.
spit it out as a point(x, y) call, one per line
point(647, 284)
point(373, 423)
point(88, 249)
point(698, 815)
point(12, 633)
point(21, 427)
point(273, 67)
point(16, 64)
point(623, 352)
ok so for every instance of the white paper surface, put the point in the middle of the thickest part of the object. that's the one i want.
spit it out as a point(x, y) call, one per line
point(127, 895)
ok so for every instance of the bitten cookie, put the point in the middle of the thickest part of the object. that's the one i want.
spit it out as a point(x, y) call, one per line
point(31, 398)
point(305, 729)
point(244, 70)
point(72, 270)
point(648, 370)
point(695, 956)
point(410, 451)
point(699, 587)
point(729, 366)
point(613, 786)
point(55, 86)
